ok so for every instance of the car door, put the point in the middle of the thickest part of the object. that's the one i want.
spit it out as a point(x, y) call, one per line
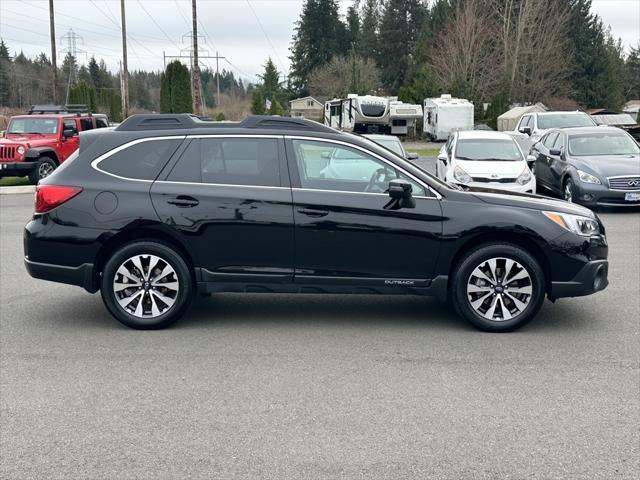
point(543, 158)
point(68, 145)
point(557, 163)
point(229, 199)
point(345, 231)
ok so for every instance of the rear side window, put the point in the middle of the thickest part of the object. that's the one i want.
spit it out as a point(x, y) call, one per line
point(101, 123)
point(86, 124)
point(142, 161)
point(230, 161)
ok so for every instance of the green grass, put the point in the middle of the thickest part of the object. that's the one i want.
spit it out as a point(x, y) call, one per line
point(13, 181)
point(426, 152)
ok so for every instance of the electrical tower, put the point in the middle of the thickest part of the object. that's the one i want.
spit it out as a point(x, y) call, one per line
point(72, 39)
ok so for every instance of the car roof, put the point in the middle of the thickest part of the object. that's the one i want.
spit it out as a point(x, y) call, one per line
point(375, 137)
point(57, 115)
point(570, 112)
point(594, 130)
point(480, 134)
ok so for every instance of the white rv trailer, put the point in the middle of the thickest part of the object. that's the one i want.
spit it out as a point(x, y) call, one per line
point(444, 115)
point(371, 114)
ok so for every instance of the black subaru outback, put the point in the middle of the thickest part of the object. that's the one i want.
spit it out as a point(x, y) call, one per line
point(164, 206)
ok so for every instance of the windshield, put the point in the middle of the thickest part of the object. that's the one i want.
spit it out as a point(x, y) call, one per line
point(564, 120)
point(602, 144)
point(487, 150)
point(44, 126)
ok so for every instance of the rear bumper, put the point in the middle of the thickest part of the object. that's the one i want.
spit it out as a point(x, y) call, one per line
point(590, 279)
point(12, 169)
point(82, 275)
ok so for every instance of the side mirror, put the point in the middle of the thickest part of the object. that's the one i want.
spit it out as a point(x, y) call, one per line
point(412, 156)
point(443, 158)
point(400, 194)
point(525, 130)
point(531, 161)
point(555, 152)
point(68, 132)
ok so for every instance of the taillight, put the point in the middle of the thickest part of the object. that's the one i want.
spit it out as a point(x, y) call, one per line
point(49, 197)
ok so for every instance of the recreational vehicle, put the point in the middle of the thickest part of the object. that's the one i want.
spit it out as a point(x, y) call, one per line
point(446, 114)
point(371, 114)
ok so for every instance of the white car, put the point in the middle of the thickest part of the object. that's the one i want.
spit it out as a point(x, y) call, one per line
point(478, 158)
point(536, 124)
point(393, 143)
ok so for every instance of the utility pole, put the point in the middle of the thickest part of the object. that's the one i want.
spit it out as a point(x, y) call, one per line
point(54, 65)
point(195, 71)
point(218, 80)
point(125, 70)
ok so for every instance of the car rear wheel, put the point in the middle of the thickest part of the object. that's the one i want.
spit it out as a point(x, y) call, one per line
point(498, 288)
point(146, 285)
point(45, 167)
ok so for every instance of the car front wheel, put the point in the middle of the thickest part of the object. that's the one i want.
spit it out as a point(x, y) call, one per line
point(498, 288)
point(45, 167)
point(146, 285)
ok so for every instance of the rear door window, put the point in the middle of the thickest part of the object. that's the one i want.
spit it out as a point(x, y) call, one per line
point(230, 161)
point(141, 161)
point(86, 124)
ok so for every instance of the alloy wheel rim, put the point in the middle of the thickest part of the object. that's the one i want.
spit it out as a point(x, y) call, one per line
point(499, 289)
point(146, 286)
point(568, 192)
point(44, 170)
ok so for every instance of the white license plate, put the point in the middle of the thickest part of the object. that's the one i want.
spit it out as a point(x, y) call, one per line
point(632, 196)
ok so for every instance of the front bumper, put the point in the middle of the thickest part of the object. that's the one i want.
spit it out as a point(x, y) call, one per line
point(16, 169)
point(593, 195)
point(591, 278)
point(82, 275)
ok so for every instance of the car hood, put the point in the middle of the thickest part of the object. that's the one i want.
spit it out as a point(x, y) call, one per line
point(501, 168)
point(526, 200)
point(32, 140)
point(609, 165)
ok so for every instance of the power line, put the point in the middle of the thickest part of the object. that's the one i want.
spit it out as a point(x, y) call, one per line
point(265, 35)
point(156, 23)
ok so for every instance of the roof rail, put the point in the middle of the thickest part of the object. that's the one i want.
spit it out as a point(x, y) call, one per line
point(68, 108)
point(178, 121)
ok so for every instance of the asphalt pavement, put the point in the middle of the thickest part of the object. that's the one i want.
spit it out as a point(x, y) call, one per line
point(319, 387)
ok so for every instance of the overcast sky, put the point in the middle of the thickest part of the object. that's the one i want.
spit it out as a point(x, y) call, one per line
point(245, 32)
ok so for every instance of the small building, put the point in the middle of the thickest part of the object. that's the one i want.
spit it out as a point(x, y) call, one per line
point(632, 107)
point(509, 119)
point(307, 107)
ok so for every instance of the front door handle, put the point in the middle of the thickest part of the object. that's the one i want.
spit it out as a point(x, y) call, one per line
point(309, 212)
point(183, 201)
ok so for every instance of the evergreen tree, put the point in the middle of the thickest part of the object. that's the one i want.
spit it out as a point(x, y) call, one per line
point(271, 86)
point(632, 74)
point(69, 68)
point(175, 89)
point(276, 108)
point(319, 35)
point(83, 93)
point(220, 117)
point(5, 68)
point(368, 38)
point(594, 80)
point(399, 31)
point(353, 26)
point(257, 102)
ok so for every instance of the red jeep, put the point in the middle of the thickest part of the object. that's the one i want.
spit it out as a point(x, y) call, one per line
point(36, 143)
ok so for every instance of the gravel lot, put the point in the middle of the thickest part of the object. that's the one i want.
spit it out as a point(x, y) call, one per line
point(256, 386)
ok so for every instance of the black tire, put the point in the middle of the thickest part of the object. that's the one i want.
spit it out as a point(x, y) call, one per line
point(181, 273)
point(46, 166)
point(477, 257)
point(568, 190)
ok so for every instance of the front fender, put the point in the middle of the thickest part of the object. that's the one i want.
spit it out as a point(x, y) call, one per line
point(35, 153)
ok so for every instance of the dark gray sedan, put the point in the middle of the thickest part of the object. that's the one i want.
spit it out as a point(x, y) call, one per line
point(589, 165)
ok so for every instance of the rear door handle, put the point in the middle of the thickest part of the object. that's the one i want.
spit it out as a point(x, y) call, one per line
point(183, 201)
point(309, 212)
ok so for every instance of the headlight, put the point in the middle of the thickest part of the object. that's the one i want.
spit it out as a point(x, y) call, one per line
point(20, 150)
point(574, 223)
point(461, 176)
point(587, 177)
point(525, 177)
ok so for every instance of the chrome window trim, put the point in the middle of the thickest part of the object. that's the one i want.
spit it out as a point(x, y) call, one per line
point(222, 185)
point(104, 156)
point(436, 196)
point(296, 189)
point(124, 146)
